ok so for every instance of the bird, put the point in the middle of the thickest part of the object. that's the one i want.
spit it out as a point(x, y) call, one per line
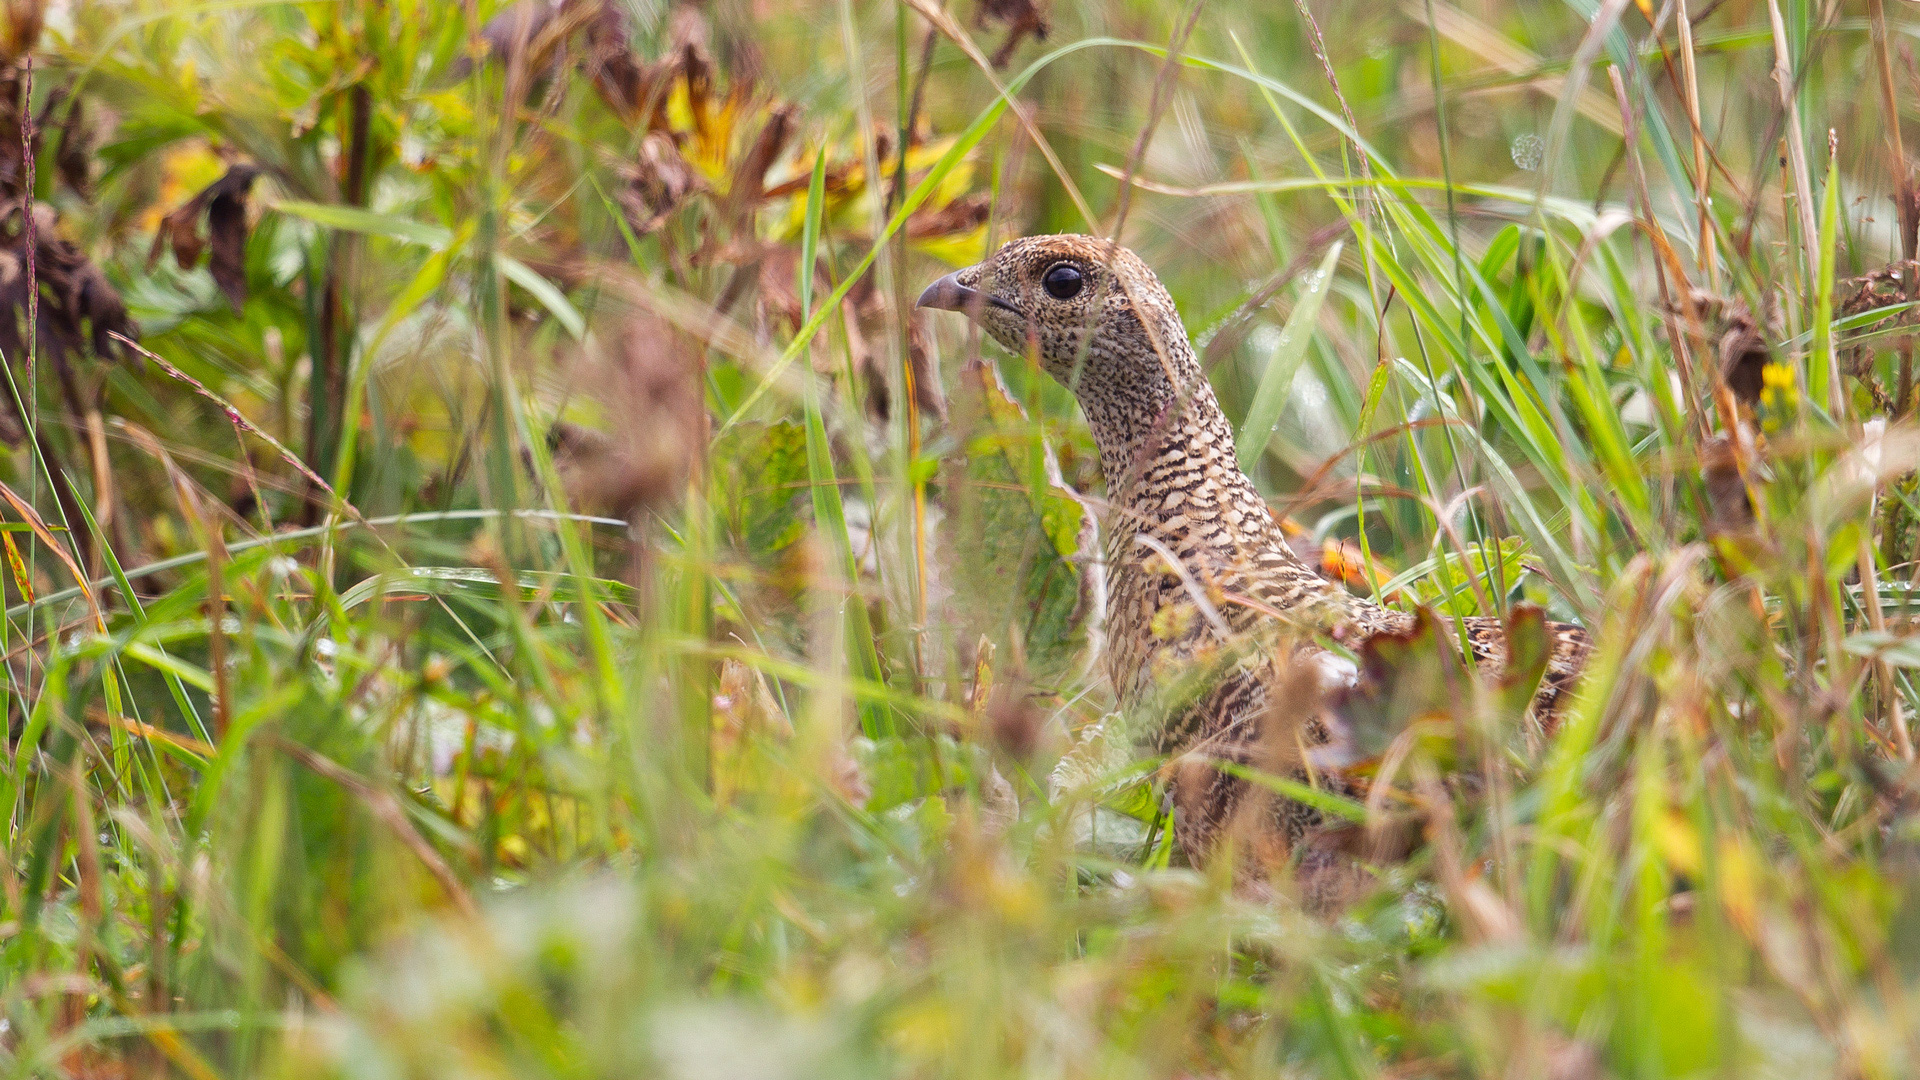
point(1205, 596)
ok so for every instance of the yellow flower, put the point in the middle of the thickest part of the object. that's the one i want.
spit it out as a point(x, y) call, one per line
point(1777, 386)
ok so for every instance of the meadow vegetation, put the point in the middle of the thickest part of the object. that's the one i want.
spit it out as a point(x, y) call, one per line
point(500, 581)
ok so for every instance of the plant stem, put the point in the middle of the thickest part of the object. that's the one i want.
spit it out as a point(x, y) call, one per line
point(332, 354)
point(1903, 190)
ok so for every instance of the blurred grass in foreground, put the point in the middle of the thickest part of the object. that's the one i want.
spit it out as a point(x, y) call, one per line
point(552, 612)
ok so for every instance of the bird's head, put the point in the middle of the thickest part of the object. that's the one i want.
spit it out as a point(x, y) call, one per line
point(1095, 317)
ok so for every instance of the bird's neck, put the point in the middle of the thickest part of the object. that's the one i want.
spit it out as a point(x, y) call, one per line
point(1175, 490)
point(1159, 428)
point(1167, 452)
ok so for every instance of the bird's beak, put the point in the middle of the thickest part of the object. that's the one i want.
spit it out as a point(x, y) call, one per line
point(949, 294)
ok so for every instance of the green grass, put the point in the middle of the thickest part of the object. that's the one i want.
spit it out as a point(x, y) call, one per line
point(388, 737)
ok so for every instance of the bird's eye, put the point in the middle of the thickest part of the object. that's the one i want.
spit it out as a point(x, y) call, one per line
point(1063, 281)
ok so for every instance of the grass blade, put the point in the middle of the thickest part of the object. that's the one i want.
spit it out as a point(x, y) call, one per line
point(1263, 415)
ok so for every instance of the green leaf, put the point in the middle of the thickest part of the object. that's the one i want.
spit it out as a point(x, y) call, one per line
point(1324, 801)
point(760, 473)
point(1444, 581)
point(1529, 647)
point(1901, 652)
point(1823, 379)
point(432, 275)
point(1019, 528)
point(356, 220)
point(1271, 395)
point(545, 291)
point(161, 661)
point(810, 230)
point(899, 770)
point(829, 512)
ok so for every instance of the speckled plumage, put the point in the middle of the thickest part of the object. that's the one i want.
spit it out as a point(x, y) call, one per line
point(1201, 580)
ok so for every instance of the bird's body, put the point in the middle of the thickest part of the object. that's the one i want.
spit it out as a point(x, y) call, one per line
point(1202, 584)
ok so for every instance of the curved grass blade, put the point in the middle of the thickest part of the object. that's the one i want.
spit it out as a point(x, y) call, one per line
point(829, 513)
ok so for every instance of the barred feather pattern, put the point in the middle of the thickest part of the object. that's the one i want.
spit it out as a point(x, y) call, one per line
point(1201, 581)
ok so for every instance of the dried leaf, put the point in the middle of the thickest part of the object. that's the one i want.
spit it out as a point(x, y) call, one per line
point(688, 32)
point(90, 299)
point(1730, 510)
point(224, 203)
point(629, 87)
point(959, 216)
point(839, 180)
point(1739, 340)
point(227, 228)
point(926, 381)
point(516, 26)
point(1884, 287)
point(78, 305)
point(1743, 354)
point(1529, 645)
point(528, 33)
point(779, 296)
point(747, 186)
point(1015, 720)
point(867, 363)
point(39, 525)
point(20, 24)
point(181, 233)
point(1403, 678)
point(71, 162)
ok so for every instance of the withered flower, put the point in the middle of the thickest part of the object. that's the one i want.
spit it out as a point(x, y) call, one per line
point(658, 182)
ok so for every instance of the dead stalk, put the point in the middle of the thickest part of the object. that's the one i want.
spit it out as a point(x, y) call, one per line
point(1883, 671)
point(327, 395)
point(1156, 105)
point(1903, 188)
point(1802, 185)
point(1702, 179)
point(1668, 290)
